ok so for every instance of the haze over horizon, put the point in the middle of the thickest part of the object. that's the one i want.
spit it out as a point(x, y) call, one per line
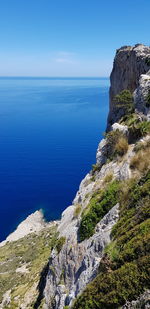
point(65, 38)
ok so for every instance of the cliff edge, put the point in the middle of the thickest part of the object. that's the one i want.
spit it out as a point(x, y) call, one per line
point(130, 64)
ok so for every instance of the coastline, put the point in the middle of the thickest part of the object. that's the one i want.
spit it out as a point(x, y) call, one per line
point(33, 223)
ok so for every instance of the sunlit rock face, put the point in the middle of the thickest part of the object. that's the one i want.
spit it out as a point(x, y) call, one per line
point(129, 63)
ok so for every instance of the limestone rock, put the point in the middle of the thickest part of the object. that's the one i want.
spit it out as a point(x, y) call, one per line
point(129, 63)
point(77, 263)
point(141, 94)
point(101, 155)
point(120, 127)
point(143, 301)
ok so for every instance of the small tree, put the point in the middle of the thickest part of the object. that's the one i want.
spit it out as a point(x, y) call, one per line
point(125, 100)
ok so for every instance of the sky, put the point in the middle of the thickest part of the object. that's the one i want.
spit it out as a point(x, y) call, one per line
point(68, 37)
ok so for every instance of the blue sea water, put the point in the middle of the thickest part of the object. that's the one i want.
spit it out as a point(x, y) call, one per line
point(49, 132)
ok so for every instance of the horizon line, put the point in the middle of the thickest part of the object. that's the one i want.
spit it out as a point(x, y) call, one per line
point(25, 76)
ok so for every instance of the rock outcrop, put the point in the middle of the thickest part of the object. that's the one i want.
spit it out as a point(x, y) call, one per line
point(77, 263)
point(143, 301)
point(34, 223)
point(129, 63)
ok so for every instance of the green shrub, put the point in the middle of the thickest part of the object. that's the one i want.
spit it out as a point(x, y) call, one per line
point(99, 205)
point(111, 290)
point(125, 100)
point(59, 244)
point(125, 96)
point(148, 100)
point(147, 61)
point(138, 129)
point(129, 119)
point(95, 168)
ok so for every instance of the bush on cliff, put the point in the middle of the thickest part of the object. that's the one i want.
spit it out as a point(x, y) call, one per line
point(148, 100)
point(141, 160)
point(124, 100)
point(117, 144)
point(100, 204)
point(136, 126)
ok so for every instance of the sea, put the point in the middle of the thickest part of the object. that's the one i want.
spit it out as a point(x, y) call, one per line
point(49, 132)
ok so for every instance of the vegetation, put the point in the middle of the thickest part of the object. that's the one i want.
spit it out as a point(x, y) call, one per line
point(125, 268)
point(117, 144)
point(142, 145)
point(136, 127)
point(77, 211)
point(108, 178)
point(59, 243)
point(95, 168)
point(100, 203)
point(148, 100)
point(21, 265)
point(147, 61)
point(121, 146)
point(125, 100)
point(141, 160)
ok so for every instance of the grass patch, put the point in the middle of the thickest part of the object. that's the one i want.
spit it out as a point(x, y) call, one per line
point(59, 244)
point(117, 144)
point(121, 146)
point(108, 178)
point(141, 160)
point(77, 211)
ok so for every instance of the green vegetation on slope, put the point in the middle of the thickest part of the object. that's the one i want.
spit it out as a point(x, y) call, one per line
point(124, 271)
point(101, 202)
point(124, 99)
point(21, 264)
point(136, 127)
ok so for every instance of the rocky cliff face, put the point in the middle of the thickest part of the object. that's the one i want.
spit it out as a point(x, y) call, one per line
point(129, 64)
point(77, 262)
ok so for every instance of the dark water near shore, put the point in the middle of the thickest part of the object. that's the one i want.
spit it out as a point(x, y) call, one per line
point(49, 132)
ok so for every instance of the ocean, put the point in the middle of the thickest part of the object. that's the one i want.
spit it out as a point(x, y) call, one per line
point(49, 132)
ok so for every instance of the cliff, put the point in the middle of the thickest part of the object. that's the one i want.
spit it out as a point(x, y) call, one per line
point(100, 252)
point(130, 64)
point(86, 226)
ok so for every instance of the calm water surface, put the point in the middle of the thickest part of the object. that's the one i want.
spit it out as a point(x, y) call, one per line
point(49, 132)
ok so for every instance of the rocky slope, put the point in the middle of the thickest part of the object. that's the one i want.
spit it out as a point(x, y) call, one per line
point(99, 253)
point(86, 226)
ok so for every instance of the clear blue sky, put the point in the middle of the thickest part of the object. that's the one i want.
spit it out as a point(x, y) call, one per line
point(68, 37)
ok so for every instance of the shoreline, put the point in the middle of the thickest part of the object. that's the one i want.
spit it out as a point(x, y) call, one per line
point(33, 223)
